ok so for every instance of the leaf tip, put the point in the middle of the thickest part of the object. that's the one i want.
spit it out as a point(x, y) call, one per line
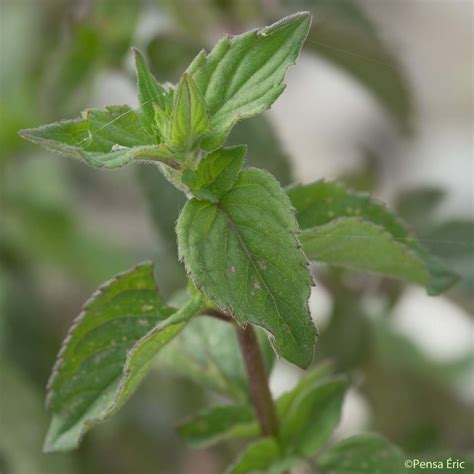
point(27, 134)
point(298, 18)
point(137, 55)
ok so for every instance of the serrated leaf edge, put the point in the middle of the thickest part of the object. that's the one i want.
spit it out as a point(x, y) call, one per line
point(263, 31)
point(383, 232)
point(227, 310)
point(411, 237)
point(78, 319)
point(114, 405)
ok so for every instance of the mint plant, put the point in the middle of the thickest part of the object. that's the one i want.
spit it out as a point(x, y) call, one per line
point(246, 244)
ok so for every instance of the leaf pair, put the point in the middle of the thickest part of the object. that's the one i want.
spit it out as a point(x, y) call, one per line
point(108, 351)
point(309, 414)
point(363, 454)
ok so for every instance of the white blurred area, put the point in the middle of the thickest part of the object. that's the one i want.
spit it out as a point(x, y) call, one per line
point(326, 121)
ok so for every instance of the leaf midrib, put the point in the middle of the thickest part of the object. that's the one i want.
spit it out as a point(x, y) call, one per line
point(246, 250)
point(228, 99)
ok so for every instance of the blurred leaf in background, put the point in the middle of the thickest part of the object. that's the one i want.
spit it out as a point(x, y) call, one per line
point(23, 419)
point(344, 34)
point(97, 36)
point(452, 239)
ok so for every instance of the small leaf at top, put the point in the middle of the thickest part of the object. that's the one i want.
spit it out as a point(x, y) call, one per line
point(189, 121)
point(216, 173)
point(151, 94)
point(351, 229)
point(243, 253)
point(108, 351)
point(364, 454)
point(243, 75)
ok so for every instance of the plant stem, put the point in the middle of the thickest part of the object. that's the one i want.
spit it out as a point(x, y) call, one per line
point(215, 313)
point(257, 379)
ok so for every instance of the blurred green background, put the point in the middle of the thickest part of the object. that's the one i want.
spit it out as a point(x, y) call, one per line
point(381, 99)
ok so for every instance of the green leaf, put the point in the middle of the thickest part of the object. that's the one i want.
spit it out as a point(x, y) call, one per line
point(190, 121)
point(243, 75)
point(451, 240)
point(151, 94)
point(257, 457)
point(219, 424)
point(216, 173)
point(108, 138)
point(97, 39)
point(364, 454)
point(244, 254)
point(102, 138)
point(239, 421)
point(351, 229)
point(108, 351)
point(313, 416)
point(208, 353)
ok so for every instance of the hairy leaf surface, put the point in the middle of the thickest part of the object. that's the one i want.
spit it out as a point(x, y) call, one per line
point(243, 75)
point(108, 351)
point(102, 138)
point(244, 254)
point(155, 101)
point(346, 228)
